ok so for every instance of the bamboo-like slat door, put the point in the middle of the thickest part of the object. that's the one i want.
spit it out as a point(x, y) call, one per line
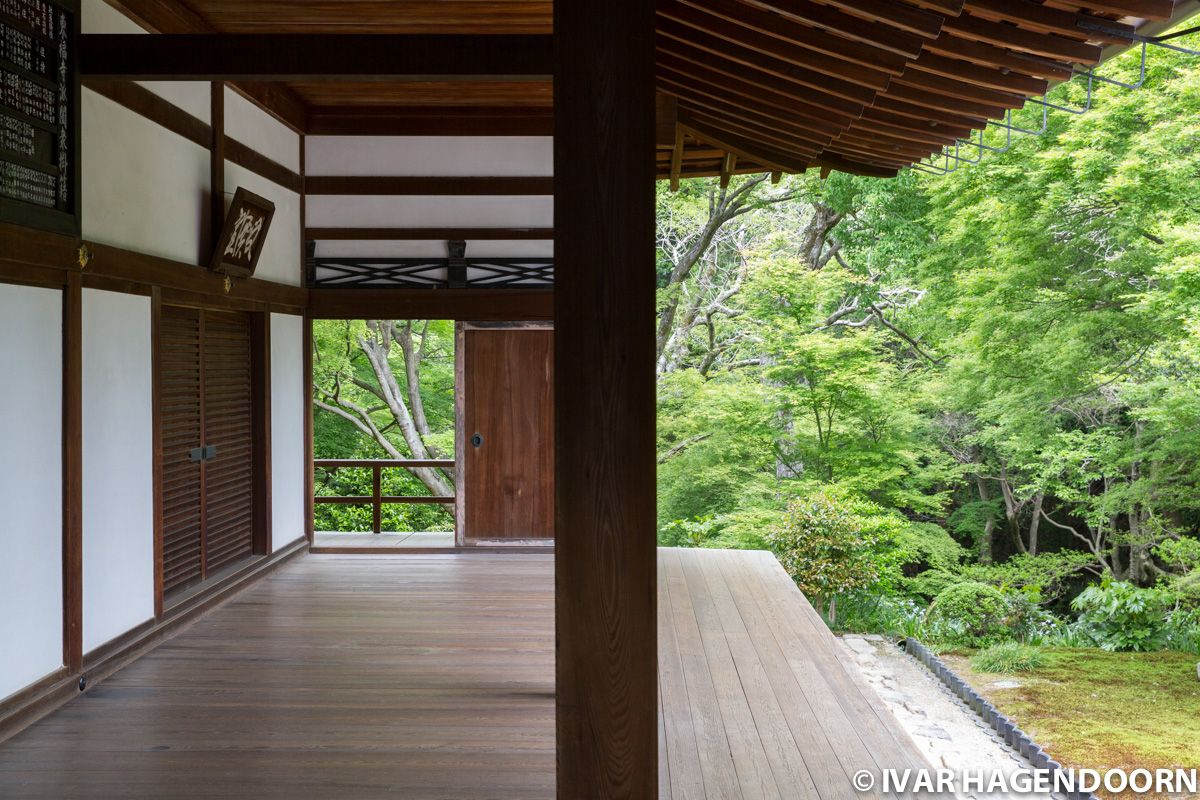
point(207, 418)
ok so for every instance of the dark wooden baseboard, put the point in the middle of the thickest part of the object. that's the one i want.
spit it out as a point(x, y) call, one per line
point(20, 710)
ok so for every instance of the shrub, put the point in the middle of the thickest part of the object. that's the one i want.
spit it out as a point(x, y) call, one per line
point(860, 612)
point(1008, 657)
point(826, 549)
point(1116, 615)
point(970, 614)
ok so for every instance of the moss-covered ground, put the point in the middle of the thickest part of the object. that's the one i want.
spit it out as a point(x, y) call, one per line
point(1091, 708)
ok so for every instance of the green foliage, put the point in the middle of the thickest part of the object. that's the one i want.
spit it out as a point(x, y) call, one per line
point(688, 532)
point(1008, 657)
point(970, 614)
point(826, 548)
point(1118, 616)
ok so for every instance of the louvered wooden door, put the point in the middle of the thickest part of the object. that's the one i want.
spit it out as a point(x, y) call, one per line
point(207, 419)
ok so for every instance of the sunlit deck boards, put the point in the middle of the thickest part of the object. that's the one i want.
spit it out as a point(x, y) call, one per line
point(432, 677)
point(756, 702)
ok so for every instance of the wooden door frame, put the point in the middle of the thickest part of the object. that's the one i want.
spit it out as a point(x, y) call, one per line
point(461, 538)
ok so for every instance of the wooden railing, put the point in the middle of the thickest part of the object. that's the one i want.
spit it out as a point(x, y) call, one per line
point(377, 499)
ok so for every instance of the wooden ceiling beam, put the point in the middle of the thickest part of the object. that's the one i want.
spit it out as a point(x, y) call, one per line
point(894, 13)
point(799, 138)
point(797, 34)
point(989, 55)
point(753, 89)
point(1046, 19)
point(801, 131)
point(770, 47)
point(822, 90)
point(954, 88)
point(747, 149)
point(1013, 38)
point(842, 164)
point(307, 57)
point(774, 106)
point(926, 116)
point(851, 27)
point(902, 122)
point(782, 143)
point(986, 77)
point(934, 102)
point(1145, 9)
point(950, 8)
point(817, 130)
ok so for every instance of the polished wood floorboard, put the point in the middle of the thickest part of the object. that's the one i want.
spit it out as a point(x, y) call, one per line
point(431, 676)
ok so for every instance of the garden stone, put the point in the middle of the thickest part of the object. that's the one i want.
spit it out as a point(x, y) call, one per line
point(931, 732)
point(1007, 685)
point(859, 645)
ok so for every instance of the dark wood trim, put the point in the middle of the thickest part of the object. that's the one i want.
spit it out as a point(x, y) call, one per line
point(216, 164)
point(278, 100)
point(149, 105)
point(455, 304)
point(307, 57)
point(427, 234)
point(72, 464)
point(606, 665)
point(30, 275)
point(309, 477)
point(425, 186)
point(30, 253)
point(22, 709)
point(337, 121)
point(156, 394)
point(260, 391)
point(249, 158)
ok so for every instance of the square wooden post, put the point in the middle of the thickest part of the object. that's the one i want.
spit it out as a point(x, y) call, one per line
point(604, 399)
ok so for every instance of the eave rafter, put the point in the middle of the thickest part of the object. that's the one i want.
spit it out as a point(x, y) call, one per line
point(865, 86)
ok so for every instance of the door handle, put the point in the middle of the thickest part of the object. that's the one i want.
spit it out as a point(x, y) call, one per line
point(205, 452)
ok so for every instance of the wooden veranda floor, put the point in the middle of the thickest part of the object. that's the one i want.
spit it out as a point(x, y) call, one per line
point(432, 677)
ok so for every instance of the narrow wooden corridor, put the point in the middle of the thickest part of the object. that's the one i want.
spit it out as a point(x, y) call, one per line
point(431, 676)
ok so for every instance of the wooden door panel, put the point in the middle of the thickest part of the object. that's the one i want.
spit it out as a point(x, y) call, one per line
point(181, 420)
point(228, 419)
point(507, 385)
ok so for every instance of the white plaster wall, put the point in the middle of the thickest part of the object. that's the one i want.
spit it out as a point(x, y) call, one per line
point(435, 211)
point(287, 429)
point(118, 514)
point(254, 127)
point(521, 156)
point(144, 188)
point(281, 259)
point(30, 485)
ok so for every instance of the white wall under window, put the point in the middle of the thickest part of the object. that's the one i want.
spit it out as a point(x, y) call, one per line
point(287, 429)
point(31, 633)
point(118, 477)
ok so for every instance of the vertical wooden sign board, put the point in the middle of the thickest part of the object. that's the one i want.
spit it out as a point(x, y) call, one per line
point(39, 114)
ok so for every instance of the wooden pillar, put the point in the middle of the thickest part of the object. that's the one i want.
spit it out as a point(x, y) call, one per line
point(216, 163)
point(260, 389)
point(604, 400)
point(72, 463)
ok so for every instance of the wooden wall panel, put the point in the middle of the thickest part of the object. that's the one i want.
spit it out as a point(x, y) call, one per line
point(228, 423)
point(181, 415)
